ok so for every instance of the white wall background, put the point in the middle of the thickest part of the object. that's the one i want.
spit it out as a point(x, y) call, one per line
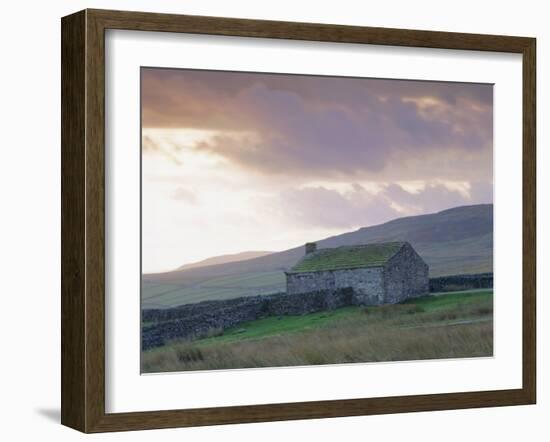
point(30, 217)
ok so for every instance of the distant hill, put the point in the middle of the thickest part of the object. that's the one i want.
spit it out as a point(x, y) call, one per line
point(223, 259)
point(454, 241)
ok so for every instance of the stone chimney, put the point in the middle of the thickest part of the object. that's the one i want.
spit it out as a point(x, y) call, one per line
point(310, 247)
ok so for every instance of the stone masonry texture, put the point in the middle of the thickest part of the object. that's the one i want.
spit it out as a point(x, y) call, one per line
point(192, 321)
point(403, 276)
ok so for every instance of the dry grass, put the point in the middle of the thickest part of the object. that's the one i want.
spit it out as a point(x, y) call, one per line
point(387, 333)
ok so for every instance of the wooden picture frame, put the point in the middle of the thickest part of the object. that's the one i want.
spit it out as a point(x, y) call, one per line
point(83, 220)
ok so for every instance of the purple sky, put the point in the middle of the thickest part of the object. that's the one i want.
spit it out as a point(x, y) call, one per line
point(302, 156)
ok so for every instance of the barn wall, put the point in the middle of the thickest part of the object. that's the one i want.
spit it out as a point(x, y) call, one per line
point(367, 283)
point(405, 276)
point(309, 282)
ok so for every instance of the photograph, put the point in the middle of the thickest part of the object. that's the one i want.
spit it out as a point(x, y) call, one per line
point(301, 220)
point(251, 222)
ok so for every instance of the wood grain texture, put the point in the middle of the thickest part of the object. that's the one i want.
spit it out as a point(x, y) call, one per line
point(83, 220)
point(529, 220)
point(95, 222)
point(73, 255)
point(145, 21)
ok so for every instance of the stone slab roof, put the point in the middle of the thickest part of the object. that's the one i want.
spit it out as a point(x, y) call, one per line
point(348, 257)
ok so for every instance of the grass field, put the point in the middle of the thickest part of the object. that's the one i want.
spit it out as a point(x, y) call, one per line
point(448, 325)
point(159, 295)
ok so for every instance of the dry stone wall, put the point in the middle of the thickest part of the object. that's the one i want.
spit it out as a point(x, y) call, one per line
point(192, 321)
point(461, 282)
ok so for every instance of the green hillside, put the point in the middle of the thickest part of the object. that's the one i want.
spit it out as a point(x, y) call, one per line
point(454, 241)
point(224, 259)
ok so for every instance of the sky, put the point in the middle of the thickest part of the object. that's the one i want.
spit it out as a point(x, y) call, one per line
point(235, 161)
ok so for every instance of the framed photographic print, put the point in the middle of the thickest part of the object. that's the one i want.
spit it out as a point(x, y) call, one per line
point(271, 220)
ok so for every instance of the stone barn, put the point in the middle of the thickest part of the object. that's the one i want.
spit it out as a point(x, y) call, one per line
point(379, 273)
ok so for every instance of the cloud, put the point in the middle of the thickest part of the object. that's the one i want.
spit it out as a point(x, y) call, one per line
point(432, 198)
point(359, 207)
point(201, 99)
point(272, 160)
point(319, 206)
point(151, 146)
point(185, 195)
point(323, 126)
point(482, 192)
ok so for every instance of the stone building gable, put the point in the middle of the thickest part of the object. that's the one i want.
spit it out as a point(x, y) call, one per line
point(405, 276)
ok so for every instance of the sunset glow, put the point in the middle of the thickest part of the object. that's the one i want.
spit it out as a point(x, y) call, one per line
point(233, 162)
